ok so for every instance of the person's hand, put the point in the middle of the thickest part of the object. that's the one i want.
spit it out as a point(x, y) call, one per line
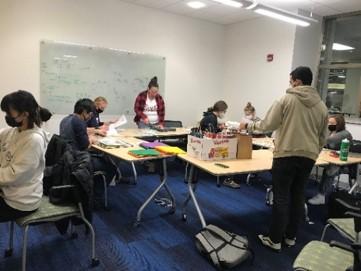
point(93, 139)
point(146, 121)
point(222, 126)
point(101, 132)
point(161, 126)
point(242, 126)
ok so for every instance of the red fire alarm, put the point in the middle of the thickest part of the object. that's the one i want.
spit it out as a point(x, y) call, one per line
point(269, 57)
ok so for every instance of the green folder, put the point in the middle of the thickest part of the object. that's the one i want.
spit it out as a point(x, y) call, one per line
point(145, 152)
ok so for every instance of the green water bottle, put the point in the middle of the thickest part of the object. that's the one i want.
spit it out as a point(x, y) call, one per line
point(345, 145)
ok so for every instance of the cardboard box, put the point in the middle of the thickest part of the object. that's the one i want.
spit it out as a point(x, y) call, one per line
point(244, 148)
point(212, 149)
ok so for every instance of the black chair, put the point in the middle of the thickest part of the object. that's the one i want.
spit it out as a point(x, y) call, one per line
point(177, 141)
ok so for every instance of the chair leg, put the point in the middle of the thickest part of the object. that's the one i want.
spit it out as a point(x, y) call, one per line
point(9, 250)
point(105, 192)
point(25, 242)
point(95, 261)
point(324, 231)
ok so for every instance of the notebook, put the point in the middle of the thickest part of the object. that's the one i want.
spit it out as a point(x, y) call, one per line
point(170, 150)
point(151, 145)
point(140, 153)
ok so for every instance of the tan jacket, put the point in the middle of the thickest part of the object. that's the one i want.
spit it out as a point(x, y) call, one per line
point(300, 121)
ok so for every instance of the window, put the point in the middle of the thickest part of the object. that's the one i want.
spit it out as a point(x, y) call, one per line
point(340, 68)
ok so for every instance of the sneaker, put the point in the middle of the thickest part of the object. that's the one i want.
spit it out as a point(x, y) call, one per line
point(290, 242)
point(319, 199)
point(231, 183)
point(266, 241)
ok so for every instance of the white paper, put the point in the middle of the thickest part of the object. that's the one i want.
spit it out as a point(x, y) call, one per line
point(112, 130)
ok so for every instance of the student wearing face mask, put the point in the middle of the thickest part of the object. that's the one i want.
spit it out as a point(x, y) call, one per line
point(249, 114)
point(22, 155)
point(337, 132)
point(209, 121)
point(95, 126)
point(149, 106)
point(74, 129)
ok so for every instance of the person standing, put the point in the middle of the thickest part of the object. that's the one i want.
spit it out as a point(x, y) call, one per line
point(149, 106)
point(300, 121)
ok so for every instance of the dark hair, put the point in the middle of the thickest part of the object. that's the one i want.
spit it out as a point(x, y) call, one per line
point(340, 122)
point(218, 107)
point(249, 107)
point(23, 101)
point(84, 105)
point(303, 74)
point(153, 83)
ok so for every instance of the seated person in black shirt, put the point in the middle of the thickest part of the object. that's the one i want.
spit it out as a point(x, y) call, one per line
point(209, 122)
point(74, 128)
point(95, 126)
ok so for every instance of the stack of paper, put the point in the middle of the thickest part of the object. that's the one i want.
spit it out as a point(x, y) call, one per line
point(109, 143)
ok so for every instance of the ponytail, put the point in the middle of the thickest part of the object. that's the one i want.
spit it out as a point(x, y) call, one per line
point(153, 83)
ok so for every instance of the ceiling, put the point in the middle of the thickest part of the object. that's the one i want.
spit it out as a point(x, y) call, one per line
point(222, 14)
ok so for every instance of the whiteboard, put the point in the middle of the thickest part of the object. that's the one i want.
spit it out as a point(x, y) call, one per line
point(69, 72)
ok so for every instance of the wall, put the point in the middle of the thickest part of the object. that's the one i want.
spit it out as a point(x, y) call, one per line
point(248, 76)
point(194, 49)
point(307, 46)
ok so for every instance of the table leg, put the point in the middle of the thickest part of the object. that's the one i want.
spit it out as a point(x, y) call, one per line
point(135, 174)
point(191, 195)
point(155, 192)
point(218, 181)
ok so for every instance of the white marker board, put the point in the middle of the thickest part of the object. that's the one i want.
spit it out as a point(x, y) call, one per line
point(69, 72)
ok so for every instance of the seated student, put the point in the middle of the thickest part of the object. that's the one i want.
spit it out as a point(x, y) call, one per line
point(249, 114)
point(74, 129)
point(209, 121)
point(338, 132)
point(149, 106)
point(22, 155)
point(95, 126)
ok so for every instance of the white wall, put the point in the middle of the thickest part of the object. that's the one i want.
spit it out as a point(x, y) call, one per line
point(307, 48)
point(248, 75)
point(194, 49)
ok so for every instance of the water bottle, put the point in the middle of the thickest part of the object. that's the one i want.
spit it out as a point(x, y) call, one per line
point(345, 145)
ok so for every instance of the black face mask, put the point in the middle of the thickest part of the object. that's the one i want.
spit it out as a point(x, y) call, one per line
point(332, 128)
point(99, 111)
point(12, 122)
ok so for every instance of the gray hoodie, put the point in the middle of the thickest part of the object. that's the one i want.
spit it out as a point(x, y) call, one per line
point(300, 121)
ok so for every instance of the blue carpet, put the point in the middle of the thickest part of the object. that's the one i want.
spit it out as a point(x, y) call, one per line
point(163, 241)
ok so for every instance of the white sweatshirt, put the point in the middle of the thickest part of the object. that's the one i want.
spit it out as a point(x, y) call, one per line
point(22, 162)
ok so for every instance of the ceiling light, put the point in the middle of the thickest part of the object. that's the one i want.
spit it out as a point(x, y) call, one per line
point(196, 4)
point(283, 16)
point(231, 3)
point(341, 47)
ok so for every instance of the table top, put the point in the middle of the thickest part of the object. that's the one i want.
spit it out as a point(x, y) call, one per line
point(122, 153)
point(146, 133)
point(264, 142)
point(261, 161)
point(353, 158)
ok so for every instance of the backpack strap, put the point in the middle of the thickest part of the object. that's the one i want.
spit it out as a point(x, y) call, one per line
point(227, 237)
point(210, 250)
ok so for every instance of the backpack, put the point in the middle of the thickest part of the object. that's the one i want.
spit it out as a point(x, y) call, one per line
point(225, 249)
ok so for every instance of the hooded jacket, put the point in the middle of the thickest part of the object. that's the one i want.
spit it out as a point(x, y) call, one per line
point(209, 122)
point(22, 162)
point(300, 121)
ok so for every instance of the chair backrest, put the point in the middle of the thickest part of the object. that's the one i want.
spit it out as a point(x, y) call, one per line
point(173, 123)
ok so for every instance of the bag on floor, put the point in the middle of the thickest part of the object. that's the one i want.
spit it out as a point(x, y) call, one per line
point(224, 249)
